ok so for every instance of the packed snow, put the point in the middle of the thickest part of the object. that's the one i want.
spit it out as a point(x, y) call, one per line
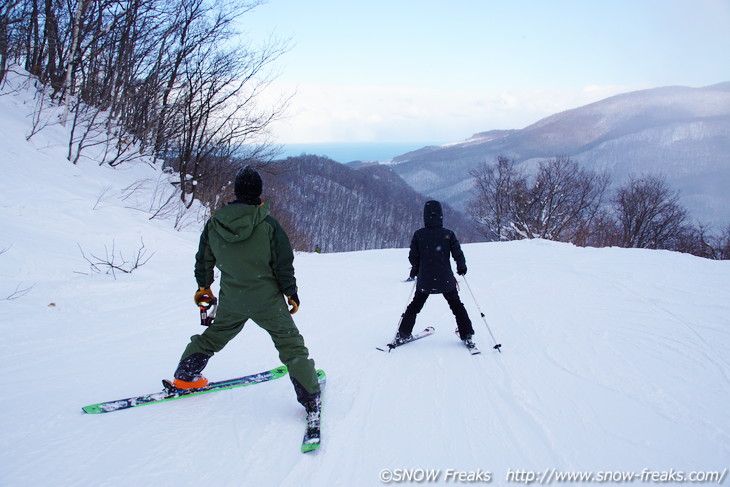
point(614, 362)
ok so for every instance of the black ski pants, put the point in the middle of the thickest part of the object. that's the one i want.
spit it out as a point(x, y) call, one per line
point(408, 320)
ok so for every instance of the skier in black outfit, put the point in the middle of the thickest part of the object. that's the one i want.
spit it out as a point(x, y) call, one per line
point(431, 248)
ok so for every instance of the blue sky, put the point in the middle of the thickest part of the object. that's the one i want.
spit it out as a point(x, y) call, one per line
point(439, 71)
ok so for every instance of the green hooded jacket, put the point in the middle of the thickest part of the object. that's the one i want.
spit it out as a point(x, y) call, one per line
point(254, 256)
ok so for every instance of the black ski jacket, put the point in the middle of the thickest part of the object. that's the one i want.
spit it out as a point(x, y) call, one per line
point(431, 248)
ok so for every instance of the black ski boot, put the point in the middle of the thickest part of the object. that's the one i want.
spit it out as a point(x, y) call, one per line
point(401, 339)
point(310, 401)
point(469, 343)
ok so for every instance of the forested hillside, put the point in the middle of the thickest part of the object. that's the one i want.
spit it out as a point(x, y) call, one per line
point(326, 204)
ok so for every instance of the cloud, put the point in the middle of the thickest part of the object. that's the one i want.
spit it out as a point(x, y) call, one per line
point(382, 113)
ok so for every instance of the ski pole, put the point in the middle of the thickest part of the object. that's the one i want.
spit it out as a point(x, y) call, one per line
point(497, 346)
point(410, 295)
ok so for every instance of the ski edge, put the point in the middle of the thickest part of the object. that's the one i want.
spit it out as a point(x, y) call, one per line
point(428, 331)
point(474, 350)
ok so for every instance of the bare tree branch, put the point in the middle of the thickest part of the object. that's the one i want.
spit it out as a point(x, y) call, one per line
point(112, 261)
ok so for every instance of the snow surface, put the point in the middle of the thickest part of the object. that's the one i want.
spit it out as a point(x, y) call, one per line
point(613, 360)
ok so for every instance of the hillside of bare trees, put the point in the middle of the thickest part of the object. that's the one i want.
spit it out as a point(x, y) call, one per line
point(566, 202)
point(169, 79)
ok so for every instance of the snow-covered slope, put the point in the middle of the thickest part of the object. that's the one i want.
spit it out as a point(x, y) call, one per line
point(613, 360)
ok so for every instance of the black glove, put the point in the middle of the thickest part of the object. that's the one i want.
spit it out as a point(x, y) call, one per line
point(413, 274)
point(461, 271)
point(294, 302)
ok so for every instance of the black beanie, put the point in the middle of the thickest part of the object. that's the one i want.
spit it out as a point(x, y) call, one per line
point(248, 184)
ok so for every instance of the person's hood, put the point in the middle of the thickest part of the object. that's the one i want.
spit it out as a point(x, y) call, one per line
point(433, 215)
point(235, 222)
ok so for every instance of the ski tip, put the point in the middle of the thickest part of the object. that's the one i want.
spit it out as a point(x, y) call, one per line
point(310, 447)
point(92, 409)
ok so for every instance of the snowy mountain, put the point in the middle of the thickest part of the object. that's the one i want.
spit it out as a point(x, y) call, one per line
point(614, 361)
point(682, 133)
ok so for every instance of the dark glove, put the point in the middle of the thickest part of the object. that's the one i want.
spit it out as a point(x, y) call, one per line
point(204, 295)
point(461, 271)
point(294, 302)
point(414, 273)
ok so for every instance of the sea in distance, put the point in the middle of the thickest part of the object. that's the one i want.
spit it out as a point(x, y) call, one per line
point(345, 152)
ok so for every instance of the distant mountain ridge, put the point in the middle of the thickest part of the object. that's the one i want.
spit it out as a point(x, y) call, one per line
point(680, 132)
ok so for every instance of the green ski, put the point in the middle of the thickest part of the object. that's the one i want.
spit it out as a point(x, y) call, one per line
point(312, 437)
point(166, 395)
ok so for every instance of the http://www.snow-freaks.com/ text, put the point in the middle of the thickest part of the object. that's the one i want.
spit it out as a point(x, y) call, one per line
point(550, 476)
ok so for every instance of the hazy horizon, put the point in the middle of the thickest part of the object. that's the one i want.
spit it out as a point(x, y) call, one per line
point(391, 71)
point(345, 152)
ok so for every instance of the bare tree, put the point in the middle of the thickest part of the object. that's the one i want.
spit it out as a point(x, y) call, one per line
point(9, 15)
point(54, 40)
point(493, 206)
point(19, 291)
point(649, 214)
point(218, 115)
point(79, 14)
point(697, 240)
point(562, 203)
point(723, 244)
point(566, 199)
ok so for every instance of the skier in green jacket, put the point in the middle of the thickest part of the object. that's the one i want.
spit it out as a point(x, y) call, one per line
point(255, 259)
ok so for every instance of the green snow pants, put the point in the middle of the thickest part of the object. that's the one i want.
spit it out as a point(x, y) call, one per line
point(284, 333)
